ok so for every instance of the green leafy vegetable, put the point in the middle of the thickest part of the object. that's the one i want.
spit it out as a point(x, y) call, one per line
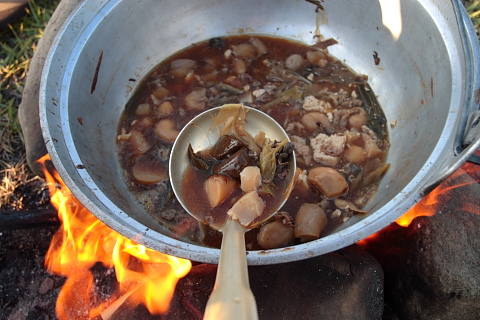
point(268, 165)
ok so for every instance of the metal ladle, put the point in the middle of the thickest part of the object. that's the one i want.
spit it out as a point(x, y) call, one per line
point(232, 297)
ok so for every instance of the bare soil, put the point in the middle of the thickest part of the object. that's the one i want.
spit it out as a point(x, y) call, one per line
point(27, 291)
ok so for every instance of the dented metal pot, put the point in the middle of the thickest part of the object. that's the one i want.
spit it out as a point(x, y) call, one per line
point(421, 57)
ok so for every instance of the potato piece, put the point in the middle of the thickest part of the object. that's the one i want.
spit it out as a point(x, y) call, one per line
point(148, 171)
point(275, 234)
point(164, 109)
point(218, 187)
point(181, 67)
point(259, 45)
point(309, 222)
point(165, 130)
point(358, 120)
point(294, 62)
point(196, 99)
point(244, 51)
point(160, 93)
point(317, 58)
point(355, 154)
point(353, 137)
point(247, 208)
point(142, 109)
point(328, 181)
point(250, 179)
point(239, 66)
point(373, 150)
point(210, 77)
point(138, 142)
point(144, 123)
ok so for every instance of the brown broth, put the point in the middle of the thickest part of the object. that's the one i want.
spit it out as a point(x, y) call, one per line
point(269, 86)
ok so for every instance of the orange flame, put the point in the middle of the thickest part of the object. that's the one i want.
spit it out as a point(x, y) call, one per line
point(427, 206)
point(144, 275)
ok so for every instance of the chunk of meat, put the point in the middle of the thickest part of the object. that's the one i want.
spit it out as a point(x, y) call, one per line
point(250, 179)
point(328, 181)
point(342, 116)
point(302, 149)
point(218, 187)
point(247, 208)
point(196, 99)
point(327, 149)
point(311, 103)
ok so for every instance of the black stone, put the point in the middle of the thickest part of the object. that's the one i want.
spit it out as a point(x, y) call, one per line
point(347, 285)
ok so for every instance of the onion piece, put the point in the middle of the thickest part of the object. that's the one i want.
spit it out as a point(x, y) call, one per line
point(139, 142)
point(259, 45)
point(347, 205)
point(247, 208)
point(165, 130)
point(275, 234)
point(244, 51)
point(181, 67)
point(218, 188)
point(196, 99)
point(328, 181)
point(309, 222)
point(148, 171)
point(250, 179)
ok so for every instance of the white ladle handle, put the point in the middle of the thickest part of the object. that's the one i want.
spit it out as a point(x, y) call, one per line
point(232, 298)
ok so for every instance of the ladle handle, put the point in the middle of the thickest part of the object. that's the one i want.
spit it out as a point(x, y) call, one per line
point(232, 297)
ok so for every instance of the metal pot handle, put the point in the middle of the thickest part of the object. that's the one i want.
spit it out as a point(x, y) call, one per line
point(467, 140)
point(470, 130)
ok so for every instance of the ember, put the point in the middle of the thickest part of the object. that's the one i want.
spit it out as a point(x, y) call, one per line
point(144, 276)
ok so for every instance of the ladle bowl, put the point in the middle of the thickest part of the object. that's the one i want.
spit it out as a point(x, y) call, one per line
point(200, 135)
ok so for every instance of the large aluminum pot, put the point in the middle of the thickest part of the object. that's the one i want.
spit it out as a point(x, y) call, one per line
point(426, 81)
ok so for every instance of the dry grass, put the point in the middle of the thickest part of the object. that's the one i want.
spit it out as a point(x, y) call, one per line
point(473, 8)
point(18, 43)
point(13, 176)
